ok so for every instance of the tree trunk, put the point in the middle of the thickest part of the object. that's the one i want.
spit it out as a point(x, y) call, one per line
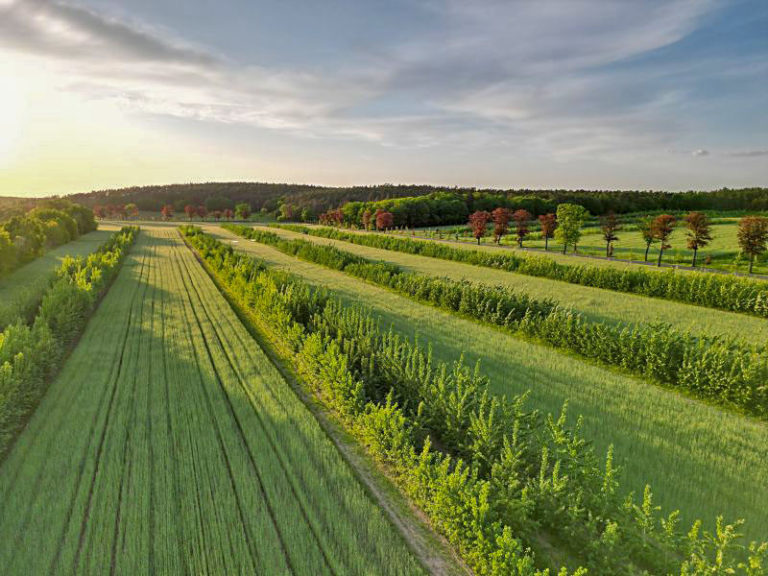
point(478, 240)
point(565, 247)
point(519, 242)
point(661, 252)
point(751, 262)
point(546, 243)
point(693, 265)
point(647, 247)
point(607, 249)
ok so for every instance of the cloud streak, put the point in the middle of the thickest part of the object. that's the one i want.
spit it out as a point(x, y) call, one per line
point(538, 77)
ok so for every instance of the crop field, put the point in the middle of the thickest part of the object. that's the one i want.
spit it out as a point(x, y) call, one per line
point(699, 458)
point(23, 288)
point(170, 444)
point(721, 254)
point(597, 304)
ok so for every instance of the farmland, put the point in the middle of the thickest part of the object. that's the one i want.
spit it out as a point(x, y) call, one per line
point(22, 288)
point(659, 436)
point(183, 450)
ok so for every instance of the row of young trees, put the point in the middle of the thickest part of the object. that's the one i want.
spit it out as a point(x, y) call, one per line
point(130, 211)
point(726, 372)
point(496, 479)
point(24, 238)
point(566, 228)
point(241, 212)
point(31, 354)
point(711, 290)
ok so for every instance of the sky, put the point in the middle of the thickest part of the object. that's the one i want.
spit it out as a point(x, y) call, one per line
point(490, 93)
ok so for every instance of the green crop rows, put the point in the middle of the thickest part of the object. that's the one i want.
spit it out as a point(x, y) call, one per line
point(170, 444)
point(659, 436)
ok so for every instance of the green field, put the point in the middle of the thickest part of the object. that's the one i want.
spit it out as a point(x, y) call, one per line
point(722, 252)
point(595, 303)
point(660, 436)
point(170, 444)
point(23, 288)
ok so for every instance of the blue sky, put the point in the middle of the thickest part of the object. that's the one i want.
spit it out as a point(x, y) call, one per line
point(572, 94)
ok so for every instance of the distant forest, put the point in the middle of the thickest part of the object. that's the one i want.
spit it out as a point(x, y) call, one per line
point(410, 205)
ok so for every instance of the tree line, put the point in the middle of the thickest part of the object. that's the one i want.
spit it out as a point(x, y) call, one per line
point(26, 236)
point(494, 477)
point(31, 354)
point(711, 290)
point(725, 371)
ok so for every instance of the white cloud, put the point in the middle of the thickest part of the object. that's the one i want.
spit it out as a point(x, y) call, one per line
point(700, 152)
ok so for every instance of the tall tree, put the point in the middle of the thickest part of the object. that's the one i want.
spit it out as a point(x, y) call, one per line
point(662, 229)
point(190, 210)
point(548, 225)
point(522, 220)
point(131, 210)
point(243, 211)
point(167, 211)
point(645, 226)
point(609, 225)
point(753, 237)
point(202, 212)
point(478, 222)
point(229, 213)
point(99, 212)
point(500, 218)
point(699, 232)
point(384, 220)
point(366, 219)
point(570, 219)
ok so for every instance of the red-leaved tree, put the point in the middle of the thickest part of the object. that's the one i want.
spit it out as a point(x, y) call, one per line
point(367, 219)
point(548, 224)
point(202, 211)
point(384, 220)
point(662, 229)
point(753, 237)
point(501, 218)
point(522, 219)
point(478, 222)
point(190, 210)
point(167, 212)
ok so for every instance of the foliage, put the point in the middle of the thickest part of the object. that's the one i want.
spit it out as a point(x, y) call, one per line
point(753, 237)
point(711, 290)
point(609, 225)
point(570, 219)
point(699, 232)
point(171, 444)
point(500, 217)
point(243, 211)
point(31, 354)
point(548, 225)
point(662, 228)
point(478, 222)
point(492, 476)
point(724, 371)
point(522, 219)
point(383, 219)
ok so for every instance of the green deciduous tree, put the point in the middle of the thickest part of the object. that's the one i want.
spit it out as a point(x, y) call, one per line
point(243, 211)
point(645, 226)
point(570, 219)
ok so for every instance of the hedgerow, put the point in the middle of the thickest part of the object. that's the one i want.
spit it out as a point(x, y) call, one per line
point(492, 476)
point(30, 355)
point(719, 291)
point(724, 371)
